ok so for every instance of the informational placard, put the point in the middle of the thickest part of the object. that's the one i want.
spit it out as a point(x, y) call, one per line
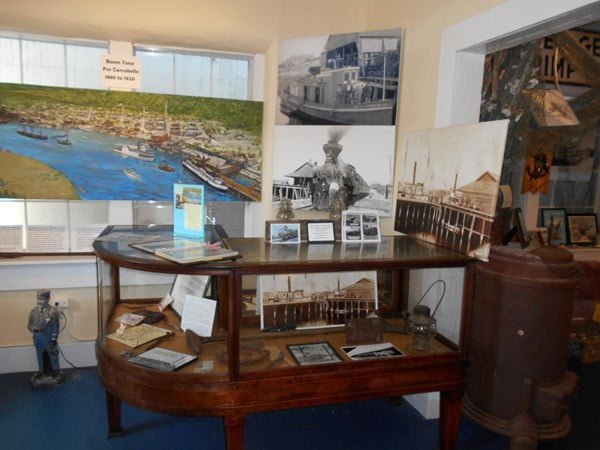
point(11, 238)
point(118, 71)
point(188, 210)
point(47, 239)
point(198, 315)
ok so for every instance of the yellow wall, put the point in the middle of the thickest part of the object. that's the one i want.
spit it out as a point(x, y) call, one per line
point(249, 26)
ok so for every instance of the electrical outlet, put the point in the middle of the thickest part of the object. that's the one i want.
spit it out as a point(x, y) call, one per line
point(62, 303)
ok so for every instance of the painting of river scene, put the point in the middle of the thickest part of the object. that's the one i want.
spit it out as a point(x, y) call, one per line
point(61, 143)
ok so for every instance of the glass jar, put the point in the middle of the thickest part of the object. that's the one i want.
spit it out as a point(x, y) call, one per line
point(421, 328)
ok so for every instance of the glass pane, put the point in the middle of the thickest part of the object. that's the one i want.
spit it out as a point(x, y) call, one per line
point(230, 78)
point(43, 63)
point(192, 75)
point(157, 72)
point(83, 66)
point(10, 69)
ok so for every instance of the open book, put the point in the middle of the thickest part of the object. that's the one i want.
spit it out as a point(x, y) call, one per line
point(185, 250)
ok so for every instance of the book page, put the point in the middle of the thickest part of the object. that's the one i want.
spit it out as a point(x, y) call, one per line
point(198, 315)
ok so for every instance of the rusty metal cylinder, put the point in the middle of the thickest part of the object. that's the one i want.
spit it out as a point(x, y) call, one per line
point(519, 335)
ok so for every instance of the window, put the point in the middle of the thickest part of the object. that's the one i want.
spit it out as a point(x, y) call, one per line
point(201, 74)
point(48, 62)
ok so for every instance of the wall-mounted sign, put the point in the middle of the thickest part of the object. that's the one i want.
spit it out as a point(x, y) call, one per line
point(565, 70)
point(119, 71)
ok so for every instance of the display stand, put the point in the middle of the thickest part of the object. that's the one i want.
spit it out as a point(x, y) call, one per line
point(241, 370)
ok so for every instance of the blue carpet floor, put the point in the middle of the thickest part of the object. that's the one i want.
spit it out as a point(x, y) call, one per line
point(73, 416)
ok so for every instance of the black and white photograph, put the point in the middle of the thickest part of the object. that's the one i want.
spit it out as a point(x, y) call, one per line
point(316, 300)
point(583, 229)
point(370, 228)
point(372, 351)
point(351, 227)
point(317, 166)
point(448, 185)
point(285, 233)
point(314, 353)
point(346, 79)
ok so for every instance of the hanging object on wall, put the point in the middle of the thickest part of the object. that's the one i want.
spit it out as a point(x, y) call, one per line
point(126, 145)
point(537, 173)
point(549, 107)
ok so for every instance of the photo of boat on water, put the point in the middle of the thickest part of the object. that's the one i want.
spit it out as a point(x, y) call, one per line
point(340, 79)
point(62, 143)
point(448, 185)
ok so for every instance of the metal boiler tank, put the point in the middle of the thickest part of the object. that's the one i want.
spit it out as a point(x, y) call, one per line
point(517, 382)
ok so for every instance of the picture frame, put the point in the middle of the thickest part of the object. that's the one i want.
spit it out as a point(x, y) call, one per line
point(284, 232)
point(320, 231)
point(314, 353)
point(555, 220)
point(360, 227)
point(582, 229)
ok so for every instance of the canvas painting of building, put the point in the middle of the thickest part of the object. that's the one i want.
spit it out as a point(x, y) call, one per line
point(314, 166)
point(85, 144)
point(342, 79)
point(313, 300)
point(448, 185)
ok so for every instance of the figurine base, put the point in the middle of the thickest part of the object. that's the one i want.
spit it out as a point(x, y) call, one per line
point(40, 380)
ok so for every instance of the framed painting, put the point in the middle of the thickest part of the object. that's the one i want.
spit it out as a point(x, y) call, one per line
point(555, 220)
point(582, 229)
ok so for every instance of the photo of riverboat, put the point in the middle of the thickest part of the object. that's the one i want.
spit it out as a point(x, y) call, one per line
point(341, 79)
point(110, 145)
point(448, 185)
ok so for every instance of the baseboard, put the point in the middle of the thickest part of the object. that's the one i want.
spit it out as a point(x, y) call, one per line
point(23, 359)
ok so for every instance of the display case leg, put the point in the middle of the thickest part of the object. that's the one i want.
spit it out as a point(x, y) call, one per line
point(450, 404)
point(234, 432)
point(113, 411)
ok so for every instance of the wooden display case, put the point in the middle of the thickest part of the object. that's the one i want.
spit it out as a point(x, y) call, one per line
point(244, 369)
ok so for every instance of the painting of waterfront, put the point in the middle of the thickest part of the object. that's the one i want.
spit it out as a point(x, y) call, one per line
point(62, 143)
point(295, 301)
point(315, 166)
point(448, 185)
point(339, 79)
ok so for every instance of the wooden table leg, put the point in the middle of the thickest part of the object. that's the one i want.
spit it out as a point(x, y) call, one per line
point(113, 412)
point(234, 432)
point(450, 409)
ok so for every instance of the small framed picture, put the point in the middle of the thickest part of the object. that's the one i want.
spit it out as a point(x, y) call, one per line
point(582, 229)
point(284, 232)
point(314, 353)
point(555, 220)
point(320, 231)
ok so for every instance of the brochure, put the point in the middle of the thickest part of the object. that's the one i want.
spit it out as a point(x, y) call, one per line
point(188, 210)
point(162, 359)
point(372, 351)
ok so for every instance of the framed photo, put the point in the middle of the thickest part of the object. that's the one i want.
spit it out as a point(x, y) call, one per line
point(555, 220)
point(284, 232)
point(582, 228)
point(357, 227)
point(320, 231)
point(314, 353)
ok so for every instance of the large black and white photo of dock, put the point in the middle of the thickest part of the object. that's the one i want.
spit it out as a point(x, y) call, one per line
point(448, 185)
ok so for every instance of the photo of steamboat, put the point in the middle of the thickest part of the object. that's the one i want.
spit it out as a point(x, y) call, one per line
point(333, 306)
point(460, 218)
point(354, 81)
point(139, 152)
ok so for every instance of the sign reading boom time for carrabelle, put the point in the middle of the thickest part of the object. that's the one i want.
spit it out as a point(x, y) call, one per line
point(119, 71)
